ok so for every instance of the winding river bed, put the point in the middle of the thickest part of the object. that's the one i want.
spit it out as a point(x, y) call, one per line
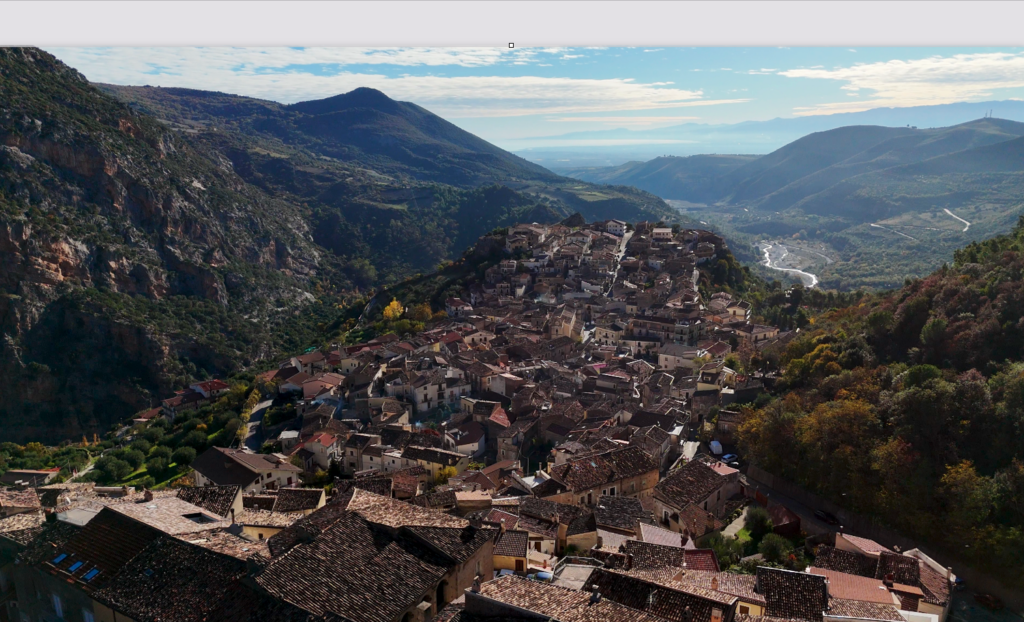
point(773, 256)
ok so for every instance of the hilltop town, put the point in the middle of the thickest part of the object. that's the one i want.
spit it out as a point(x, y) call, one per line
point(557, 442)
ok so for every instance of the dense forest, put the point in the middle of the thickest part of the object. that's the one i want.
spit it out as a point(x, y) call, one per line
point(908, 406)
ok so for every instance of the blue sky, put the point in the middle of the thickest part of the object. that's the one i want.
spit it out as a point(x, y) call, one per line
point(509, 96)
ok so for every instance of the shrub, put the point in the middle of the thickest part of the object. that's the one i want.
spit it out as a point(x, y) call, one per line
point(758, 522)
point(775, 548)
point(184, 456)
point(146, 482)
point(728, 551)
point(142, 445)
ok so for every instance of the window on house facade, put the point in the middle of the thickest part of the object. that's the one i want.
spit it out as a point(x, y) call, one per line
point(744, 609)
point(705, 505)
point(87, 616)
point(58, 605)
point(719, 496)
point(611, 491)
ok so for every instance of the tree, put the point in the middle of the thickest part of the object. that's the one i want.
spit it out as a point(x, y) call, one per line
point(142, 445)
point(421, 313)
point(968, 497)
point(161, 452)
point(134, 457)
point(156, 465)
point(393, 311)
point(775, 548)
point(445, 474)
point(733, 362)
point(116, 469)
point(153, 434)
point(183, 456)
point(196, 439)
point(728, 551)
point(758, 522)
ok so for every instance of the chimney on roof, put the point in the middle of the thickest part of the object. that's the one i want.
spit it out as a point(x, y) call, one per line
point(714, 583)
point(629, 561)
point(147, 496)
point(595, 596)
point(889, 580)
point(502, 527)
point(949, 573)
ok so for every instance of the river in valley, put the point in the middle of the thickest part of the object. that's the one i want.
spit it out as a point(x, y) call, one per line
point(774, 254)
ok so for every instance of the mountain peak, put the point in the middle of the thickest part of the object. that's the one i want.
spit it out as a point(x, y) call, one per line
point(362, 97)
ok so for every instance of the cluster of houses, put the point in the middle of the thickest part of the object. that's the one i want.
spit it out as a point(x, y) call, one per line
point(386, 547)
point(535, 456)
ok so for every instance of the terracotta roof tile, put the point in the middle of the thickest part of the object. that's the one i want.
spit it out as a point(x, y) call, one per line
point(560, 603)
point(512, 543)
point(862, 610)
point(658, 599)
point(216, 499)
point(790, 594)
point(853, 587)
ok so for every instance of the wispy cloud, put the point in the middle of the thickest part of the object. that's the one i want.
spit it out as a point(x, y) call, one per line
point(655, 50)
point(762, 72)
point(247, 59)
point(287, 75)
point(623, 120)
point(926, 81)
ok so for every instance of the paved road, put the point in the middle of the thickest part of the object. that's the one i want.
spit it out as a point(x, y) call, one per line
point(88, 468)
point(254, 437)
point(806, 514)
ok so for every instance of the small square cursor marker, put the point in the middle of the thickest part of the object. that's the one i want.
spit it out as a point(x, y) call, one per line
point(511, 45)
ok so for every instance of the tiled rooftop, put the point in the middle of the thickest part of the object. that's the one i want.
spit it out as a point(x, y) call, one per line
point(794, 595)
point(171, 515)
point(559, 603)
point(395, 513)
point(853, 587)
point(512, 543)
point(666, 602)
point(692, 483)
point(215, 499)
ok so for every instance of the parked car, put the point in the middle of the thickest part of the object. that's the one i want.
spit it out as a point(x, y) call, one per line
point(826, 517)
point(727, 458)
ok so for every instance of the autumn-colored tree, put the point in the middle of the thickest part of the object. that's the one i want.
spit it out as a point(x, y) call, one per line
point(968, 498)
point(393, 311)
point(445, 474)
point(421, 313)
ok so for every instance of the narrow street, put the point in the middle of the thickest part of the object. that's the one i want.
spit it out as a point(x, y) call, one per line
point(254, 437)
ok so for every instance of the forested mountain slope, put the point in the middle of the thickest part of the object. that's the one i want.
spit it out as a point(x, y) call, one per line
point(909, 406)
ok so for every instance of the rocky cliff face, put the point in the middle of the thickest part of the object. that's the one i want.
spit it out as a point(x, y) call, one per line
point(94, 196)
